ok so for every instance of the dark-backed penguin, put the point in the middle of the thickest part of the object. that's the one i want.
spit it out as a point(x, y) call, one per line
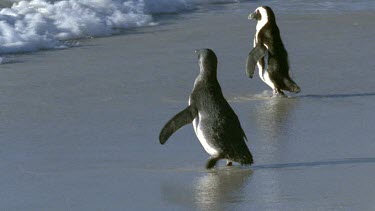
point(215, 123)
point(269, 53)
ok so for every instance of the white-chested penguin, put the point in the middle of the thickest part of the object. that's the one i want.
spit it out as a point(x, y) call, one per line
point(269, 53)
point(215, 123)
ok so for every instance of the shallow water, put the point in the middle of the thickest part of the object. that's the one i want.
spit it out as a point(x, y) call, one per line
point(79, 126)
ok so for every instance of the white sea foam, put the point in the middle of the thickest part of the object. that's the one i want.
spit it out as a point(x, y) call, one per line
point(44, 24)
point(6, 60)
point(39, 24)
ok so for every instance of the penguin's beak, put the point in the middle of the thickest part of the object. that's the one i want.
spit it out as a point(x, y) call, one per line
point(198, 52)
point(253, 16)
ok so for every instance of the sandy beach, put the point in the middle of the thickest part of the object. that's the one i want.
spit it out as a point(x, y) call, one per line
point(79, 126)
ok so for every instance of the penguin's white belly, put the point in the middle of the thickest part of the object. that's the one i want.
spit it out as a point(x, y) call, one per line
point(263, 74)
point(200, 134)
point(201, 137)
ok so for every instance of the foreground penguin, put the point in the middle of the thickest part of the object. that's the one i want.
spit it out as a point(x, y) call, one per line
point(215, 123)
point(269, 54)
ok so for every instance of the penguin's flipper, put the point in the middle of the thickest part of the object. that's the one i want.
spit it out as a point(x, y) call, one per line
point(185, 117)
point(254, 56)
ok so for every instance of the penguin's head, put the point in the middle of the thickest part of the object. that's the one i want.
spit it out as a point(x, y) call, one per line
point(207, 61)
point(263, 13)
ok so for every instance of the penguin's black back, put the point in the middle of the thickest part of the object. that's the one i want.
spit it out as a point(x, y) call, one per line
point(278, 65)
point(278, 56)
point(220, 124)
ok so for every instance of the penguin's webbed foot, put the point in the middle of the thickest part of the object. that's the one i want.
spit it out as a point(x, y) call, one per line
point(212, 162)
point(278, 92)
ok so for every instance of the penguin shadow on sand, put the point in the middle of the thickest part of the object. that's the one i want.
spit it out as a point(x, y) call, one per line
point(217, 189)
point(323, 96)
point(344, 161)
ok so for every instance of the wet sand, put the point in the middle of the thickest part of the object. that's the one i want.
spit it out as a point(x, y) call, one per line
point(79, 126)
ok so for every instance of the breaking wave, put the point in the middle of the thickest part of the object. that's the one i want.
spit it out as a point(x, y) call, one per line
point(40, 24)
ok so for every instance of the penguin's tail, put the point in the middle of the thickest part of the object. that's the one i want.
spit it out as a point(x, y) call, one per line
point(296, 88)
point(240, 154)
point(244, 157)
point(291, 86)
point(247, 159)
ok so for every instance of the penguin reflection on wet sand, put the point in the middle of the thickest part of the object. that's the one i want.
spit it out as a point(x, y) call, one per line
point(269, 54)
point(215, 123)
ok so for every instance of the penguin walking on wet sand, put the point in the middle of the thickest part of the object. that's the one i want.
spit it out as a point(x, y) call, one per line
point(269, 54)
point(215, 123)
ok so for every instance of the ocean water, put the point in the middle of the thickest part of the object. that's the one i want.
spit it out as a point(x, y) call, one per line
point(34, 25)
point(83, 99)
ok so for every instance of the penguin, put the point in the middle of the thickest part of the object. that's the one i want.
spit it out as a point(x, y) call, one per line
point(269, 54)
point(216, 125)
